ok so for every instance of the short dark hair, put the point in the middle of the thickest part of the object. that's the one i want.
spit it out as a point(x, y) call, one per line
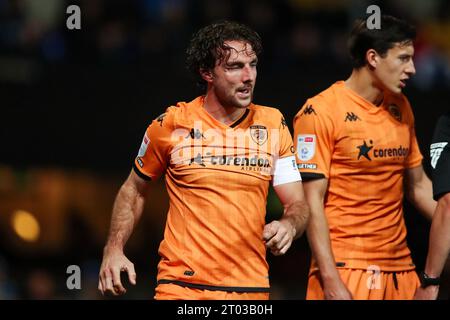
point(208, 45)
point(392, 31)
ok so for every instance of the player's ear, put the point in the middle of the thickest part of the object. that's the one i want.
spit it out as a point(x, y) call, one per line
point(206, 75)
point(372, 58)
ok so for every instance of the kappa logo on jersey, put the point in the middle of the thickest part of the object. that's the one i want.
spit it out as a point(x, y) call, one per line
point(144, 146)
point(195, 134)
point(160, 119)
point(308, 110)
point(306, 146)
point(198, 160)
point(258, 134)
point(352, 117)
point(435, 152)
point(395, 112)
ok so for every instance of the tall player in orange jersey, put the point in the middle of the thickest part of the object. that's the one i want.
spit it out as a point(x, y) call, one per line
point(219, 154)
point(356, 151)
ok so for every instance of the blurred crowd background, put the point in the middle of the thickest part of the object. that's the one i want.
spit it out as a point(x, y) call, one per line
point(74, 105)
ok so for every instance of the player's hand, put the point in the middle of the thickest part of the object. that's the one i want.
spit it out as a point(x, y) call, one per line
point(428, 293)
point(114, 262)
point(278, 236)
point(336, 290)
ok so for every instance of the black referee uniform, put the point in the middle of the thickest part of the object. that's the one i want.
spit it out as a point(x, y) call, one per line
point(440, 157)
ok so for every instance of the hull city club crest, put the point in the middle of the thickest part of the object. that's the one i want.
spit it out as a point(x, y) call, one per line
point(395, 112)
point(258, 134)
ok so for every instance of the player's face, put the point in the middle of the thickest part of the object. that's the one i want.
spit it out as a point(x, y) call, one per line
point(235, 77)
point(396, 67)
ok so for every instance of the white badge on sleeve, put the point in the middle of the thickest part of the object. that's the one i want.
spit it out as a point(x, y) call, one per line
point(286, 171)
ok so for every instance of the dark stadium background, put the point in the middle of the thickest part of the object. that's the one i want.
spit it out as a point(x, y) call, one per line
point(75, 104)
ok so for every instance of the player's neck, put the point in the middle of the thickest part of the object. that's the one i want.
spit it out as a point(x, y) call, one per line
point(362, 84)
point(225, 114)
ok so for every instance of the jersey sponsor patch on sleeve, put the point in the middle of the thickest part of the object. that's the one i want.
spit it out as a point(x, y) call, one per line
point(144, 145)
point(311, 166)
point(286, 171)
point(435, 152)
point(306, 146)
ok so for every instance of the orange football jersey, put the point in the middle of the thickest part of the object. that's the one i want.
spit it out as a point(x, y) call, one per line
point(363, 151)
point(217, 177)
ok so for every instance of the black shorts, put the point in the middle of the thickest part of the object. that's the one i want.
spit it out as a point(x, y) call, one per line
point(440, 157)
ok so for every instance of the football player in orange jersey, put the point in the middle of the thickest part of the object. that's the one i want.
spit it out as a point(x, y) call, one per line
point(219, 153)
point(356, 150)
point(439, 246)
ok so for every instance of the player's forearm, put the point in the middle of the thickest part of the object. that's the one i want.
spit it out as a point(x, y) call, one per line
point(297, 214)
point(439, 246)
point(420, 195)
point(127, 210)
point(426, 205)
point(318, 232)
point(319, 241)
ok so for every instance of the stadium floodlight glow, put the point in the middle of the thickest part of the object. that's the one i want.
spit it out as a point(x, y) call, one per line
point(25, 225)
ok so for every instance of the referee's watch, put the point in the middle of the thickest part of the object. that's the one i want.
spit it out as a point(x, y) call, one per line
point(426, 280)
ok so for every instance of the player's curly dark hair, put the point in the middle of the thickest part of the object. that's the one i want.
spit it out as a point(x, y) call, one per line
point(207, 46)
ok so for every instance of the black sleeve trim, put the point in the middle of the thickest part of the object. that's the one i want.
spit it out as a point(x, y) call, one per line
point(140, 174)
point(213, 288)
point(311, 176)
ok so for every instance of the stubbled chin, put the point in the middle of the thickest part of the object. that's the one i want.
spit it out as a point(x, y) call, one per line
point(243, 105)
point(396, 90)
point(244, 102)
